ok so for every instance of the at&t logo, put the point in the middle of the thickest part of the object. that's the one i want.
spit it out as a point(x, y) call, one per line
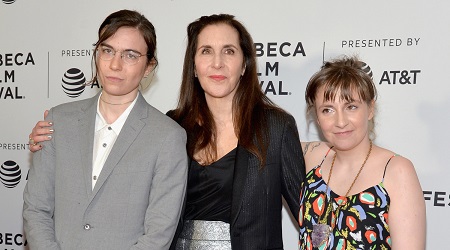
point(10, 174)
point(73, 82)
point(401, 77)
point(366, 68)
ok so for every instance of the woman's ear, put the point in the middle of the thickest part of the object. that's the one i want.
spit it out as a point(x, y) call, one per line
point(371, 109)
point(243, 70)
point(150, 67)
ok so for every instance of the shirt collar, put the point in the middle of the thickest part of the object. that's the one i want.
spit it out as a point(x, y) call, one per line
point(117, 125)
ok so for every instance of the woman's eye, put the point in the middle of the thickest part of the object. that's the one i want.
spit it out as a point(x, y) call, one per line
point(352, 107)
point(107, 50)
point(229, 51)
point(132, 55)
point(326, 111)
point(206, 51)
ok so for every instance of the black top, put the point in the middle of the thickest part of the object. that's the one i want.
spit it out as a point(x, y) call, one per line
point(257, 190)
point(209, 190)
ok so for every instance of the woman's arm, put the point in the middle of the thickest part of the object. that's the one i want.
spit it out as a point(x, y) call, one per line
point(314, 152)
point(407, 222)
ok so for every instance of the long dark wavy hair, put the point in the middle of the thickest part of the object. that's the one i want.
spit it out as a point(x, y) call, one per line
point(249, 102)
point(127, 18)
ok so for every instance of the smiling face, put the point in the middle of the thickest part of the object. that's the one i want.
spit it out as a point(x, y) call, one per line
point(119, 79)
point(344, 124)
point(219, 61)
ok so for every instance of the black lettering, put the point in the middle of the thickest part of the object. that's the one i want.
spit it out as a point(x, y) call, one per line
point(29, 59)
point(282, 51)
point(394, 72)
point(437, 198)
point(8, 60)
point(259, 48)
point(16, 241)
point(271, 47)
point(8, 239)
point(280, 89)
point(95, 84)
point(9, 75)
point(299, 49)
point(385, 78)
point(270, 88)
point(426, 195)
point(6, 92)
point(271, 68)
point(414, 73)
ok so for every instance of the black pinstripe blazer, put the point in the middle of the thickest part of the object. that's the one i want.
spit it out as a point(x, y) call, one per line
point(257, 192)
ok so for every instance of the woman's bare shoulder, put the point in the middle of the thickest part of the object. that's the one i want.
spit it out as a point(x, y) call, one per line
point(313, 147)
point(313, 152)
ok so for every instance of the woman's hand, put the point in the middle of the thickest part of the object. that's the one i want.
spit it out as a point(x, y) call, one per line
point(41, 132)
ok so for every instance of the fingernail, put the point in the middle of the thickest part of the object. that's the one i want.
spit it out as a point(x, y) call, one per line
point(51, 130)
point(49, 136)
point(50, 123)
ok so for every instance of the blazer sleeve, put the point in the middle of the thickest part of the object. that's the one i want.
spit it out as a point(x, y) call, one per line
point(39, 198)
point(292, 166)
point(167, 193)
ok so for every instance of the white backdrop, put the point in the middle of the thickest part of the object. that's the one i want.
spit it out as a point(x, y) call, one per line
point(405, 43)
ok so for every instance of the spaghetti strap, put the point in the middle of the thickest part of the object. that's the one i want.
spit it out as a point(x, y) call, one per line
point(385, 167)
point(320, 165)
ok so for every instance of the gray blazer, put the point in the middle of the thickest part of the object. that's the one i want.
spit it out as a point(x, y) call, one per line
point(137, 200)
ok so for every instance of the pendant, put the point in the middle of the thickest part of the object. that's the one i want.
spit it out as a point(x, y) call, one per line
point(320, 234)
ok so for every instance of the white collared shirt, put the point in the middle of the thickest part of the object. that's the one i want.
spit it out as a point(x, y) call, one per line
point(104, 138)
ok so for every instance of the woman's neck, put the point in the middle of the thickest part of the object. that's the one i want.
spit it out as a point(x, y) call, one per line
point(222, 111)
point(353, 158)
point(111, 107)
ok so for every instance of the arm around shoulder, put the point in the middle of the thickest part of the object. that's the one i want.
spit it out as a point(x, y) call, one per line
point(407, 216)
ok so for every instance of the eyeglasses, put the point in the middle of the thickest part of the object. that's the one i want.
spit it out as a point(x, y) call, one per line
point(130, 57)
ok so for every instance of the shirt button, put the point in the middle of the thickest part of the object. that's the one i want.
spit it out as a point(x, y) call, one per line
point(87, 227)
point(95, 177)
point(104, 145)
point(109, 128)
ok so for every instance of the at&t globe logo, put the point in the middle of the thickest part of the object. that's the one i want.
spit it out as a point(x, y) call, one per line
point(73, 82)
point(10, 174)
point(366, 68)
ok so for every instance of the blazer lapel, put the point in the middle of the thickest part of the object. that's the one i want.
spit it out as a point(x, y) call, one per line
point(86, 131)
point(130, 130)
point(239, 178)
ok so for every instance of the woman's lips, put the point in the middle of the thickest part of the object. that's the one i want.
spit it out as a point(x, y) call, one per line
point(217, 77)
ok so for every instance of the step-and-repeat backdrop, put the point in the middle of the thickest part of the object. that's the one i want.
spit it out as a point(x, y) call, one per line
point(46, 47)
